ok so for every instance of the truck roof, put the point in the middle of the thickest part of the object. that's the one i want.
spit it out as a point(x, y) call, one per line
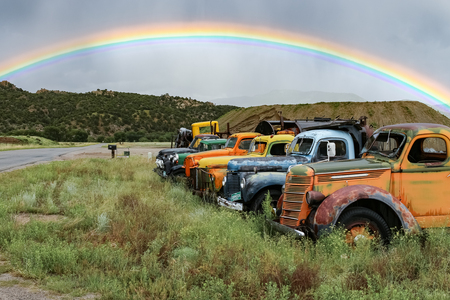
point(324, 133)
point(214, 141)
point(211, 136)
point(415, 127)
point(275, 137)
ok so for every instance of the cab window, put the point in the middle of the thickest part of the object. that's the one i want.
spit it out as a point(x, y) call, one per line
point(301, 146)
point(428, 150)
point(257, 147)
point(216, 146)
point(245, 144)
point(231, 142)
point(195, 143)
point(341, 150)
point(278, 149)
point(202, 147)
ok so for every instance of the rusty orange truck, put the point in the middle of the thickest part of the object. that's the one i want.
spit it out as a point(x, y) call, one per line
point(402, 181)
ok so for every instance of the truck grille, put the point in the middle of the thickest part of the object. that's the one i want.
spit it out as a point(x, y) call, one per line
point(202, 180)
point(233, 184)
point(294, 194)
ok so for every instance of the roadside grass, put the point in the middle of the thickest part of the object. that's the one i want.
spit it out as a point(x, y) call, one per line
point(35, 142)
point(141, 144)
point(127, 234)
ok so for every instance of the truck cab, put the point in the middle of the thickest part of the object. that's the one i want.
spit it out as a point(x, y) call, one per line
point(402, 181)
point(211, 171)
point(248, 180)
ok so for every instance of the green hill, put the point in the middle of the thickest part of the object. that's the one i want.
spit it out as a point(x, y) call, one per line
point(65, 116)
point(378, 113)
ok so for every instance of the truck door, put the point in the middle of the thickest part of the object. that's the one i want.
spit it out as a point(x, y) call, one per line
point(425, 180)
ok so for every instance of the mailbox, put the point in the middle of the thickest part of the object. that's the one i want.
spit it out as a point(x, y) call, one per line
point(112, 147)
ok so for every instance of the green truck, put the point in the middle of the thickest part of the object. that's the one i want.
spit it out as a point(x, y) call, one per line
point(171, 164)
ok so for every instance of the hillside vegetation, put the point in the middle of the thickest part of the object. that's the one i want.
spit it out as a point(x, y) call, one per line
point(378, 113)
point(65, 116)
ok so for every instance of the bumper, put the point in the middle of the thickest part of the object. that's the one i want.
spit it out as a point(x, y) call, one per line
point(229, 204)
point(284, 229)
point(160, 172)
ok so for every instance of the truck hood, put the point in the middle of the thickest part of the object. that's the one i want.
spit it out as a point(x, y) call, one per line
point(280, 164)
point(216, 161)
point(171, 151)
point(348, 165)
point(211, 153)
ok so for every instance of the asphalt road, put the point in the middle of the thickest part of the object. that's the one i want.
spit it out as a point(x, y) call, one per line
point(14, 159)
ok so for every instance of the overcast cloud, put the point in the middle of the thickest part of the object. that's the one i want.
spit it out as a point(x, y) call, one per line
point(414, 34)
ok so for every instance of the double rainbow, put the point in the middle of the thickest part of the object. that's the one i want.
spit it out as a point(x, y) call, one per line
point(424, 88)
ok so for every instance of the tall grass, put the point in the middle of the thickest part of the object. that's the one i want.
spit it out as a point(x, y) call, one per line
point(129, 235)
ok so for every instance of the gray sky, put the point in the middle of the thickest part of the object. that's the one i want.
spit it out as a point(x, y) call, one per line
point(414, 34)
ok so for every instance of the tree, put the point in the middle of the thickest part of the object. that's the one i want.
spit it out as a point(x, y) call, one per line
point(52, 133)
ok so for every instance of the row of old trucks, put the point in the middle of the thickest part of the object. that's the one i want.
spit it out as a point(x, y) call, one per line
point(321, 172)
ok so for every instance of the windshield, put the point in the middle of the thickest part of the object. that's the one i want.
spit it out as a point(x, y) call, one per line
point(202, 147)
point(300, 146)
point(195, 142)
point(257, 147)
point(231, 142)
point(385, 143)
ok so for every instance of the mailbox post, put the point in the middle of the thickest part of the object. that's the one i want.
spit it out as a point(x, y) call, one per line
point(113, 149)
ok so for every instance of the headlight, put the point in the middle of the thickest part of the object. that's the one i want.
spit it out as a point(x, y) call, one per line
point(159, 163)
point(242, 183)
point(174, 158)
point(314, 198)
point(224, 181)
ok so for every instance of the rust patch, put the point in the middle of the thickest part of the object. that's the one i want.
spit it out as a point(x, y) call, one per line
point(336, 202)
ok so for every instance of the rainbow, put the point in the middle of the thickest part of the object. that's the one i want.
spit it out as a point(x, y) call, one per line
point(424, 88)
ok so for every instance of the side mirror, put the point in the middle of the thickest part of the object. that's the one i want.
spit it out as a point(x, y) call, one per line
point(331, 150)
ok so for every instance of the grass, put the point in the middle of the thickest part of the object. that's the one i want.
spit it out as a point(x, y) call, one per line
point(127, 234)
point(35, 142)
point(141, 144)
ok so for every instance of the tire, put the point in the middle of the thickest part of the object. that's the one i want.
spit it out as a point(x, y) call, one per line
point(256, 206)
point(361, 218)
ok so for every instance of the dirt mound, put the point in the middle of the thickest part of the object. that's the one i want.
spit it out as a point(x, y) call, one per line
point(10, 140)
point(379, 113)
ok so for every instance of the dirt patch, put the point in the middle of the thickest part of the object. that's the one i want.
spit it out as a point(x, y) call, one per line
point(23, 219)
point(10, 140)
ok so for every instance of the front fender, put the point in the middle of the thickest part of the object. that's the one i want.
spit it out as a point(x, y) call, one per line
point(331, 208)
point(176, 169)
point(256, 182)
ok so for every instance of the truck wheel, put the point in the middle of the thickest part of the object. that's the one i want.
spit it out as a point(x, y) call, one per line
point(361, 222)
point(257, 203)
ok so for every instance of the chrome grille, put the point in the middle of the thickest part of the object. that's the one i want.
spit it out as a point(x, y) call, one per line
point(294, 194)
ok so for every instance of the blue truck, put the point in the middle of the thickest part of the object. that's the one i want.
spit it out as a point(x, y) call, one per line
point(249, 180)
